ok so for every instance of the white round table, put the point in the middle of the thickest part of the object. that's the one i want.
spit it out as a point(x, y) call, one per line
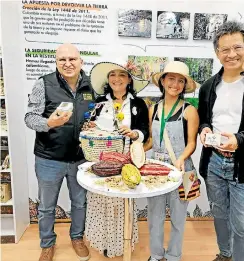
point(88, 181)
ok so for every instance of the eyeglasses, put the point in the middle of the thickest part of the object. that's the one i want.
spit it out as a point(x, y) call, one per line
point(63, 61)
point(236, 48)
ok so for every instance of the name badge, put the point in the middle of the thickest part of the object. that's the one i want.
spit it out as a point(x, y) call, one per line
point(159, 156)
point(87, 96)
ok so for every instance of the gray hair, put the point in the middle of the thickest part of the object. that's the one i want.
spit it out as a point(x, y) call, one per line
point(229, 27)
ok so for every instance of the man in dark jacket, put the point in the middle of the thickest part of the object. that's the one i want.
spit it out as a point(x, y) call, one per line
point(57, 151)
point(221, 110)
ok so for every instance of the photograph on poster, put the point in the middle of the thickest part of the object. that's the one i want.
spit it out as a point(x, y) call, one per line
point(205, 25)
point(200, 68)
point(134, 23)
point(173, 25)
point(147, 65)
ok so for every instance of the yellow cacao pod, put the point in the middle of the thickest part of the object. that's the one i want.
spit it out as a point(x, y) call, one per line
point(131, 175)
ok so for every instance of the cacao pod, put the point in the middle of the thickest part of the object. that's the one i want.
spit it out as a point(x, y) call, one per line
point(115, 157)
point(107, 168)
point(131, 175)
point(154, 169)
point(137, 154)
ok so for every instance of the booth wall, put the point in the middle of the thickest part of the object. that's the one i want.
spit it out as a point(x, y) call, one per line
point(100, 30)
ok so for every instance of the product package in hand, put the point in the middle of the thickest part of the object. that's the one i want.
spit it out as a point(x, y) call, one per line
point(213, 139)
point(64, 107)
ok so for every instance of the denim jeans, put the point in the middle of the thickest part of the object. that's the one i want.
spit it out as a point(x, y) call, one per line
point(50, 175)
point(227, 197)
point(156, 218)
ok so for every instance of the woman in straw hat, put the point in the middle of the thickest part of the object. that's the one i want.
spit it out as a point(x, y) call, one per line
point(115, 84)
point(173, 117)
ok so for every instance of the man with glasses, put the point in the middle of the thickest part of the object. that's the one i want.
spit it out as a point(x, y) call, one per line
point(57, 151)
point(221, 111)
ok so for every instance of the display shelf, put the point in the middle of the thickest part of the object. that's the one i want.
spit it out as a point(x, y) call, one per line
point(8, 203)
point(8, 232)
point(7, 229)
point(4, 133)
point(14, 213)
point(5, 171)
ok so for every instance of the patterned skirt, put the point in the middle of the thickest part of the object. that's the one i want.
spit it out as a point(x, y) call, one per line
point(105, 224)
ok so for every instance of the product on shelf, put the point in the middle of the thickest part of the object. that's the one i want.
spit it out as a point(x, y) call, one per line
point(2, 93)
point(6, 163)
point(4, 127)
point(5, 177)
point(5, 190)
point(4, 141)
point(6, 210)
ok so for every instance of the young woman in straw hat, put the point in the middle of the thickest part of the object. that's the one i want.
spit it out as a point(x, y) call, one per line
point(173, 117)
point(105, 215)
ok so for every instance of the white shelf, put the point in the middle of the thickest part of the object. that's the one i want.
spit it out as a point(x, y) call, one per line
point(4, 133)
point(6, 215)
point(7, 232)
point(8, 203)
point(7, 225)
point(14, 225)
point(5, 170)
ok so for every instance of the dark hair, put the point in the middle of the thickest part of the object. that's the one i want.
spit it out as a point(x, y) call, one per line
point(129, 89)
point(229, 27)
point(161, 88)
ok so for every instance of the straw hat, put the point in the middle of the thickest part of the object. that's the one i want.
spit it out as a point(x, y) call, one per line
point(99, 76)
point(180, 68)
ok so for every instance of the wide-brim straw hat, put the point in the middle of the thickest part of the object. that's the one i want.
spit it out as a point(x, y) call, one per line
point(180, 68)
point(99, 76)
